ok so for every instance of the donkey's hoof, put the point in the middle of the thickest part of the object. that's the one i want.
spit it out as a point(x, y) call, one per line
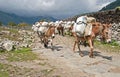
point(52, 49)
point(74, 51)
point(45, 46)
point(81, 55)
point(91, 56)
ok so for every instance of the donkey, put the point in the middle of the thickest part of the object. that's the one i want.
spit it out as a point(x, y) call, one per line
point(40, 28)
point(49, 35)
point(97, 29)
point(60, 29)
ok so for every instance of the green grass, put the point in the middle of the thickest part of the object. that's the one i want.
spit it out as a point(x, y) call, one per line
point(3, 72)
point(110, 47)
point(43, 64)
point(7, 70)
point(47, 71)
point(118, 7)
point(23, 54)
point(11, 30)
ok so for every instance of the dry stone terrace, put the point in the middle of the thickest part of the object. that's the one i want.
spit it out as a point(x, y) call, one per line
point(110, 16)
point(25, 37)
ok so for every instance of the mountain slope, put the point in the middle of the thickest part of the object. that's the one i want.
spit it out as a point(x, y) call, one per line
point(107, 16)
point(7, 17)
point(112, 5)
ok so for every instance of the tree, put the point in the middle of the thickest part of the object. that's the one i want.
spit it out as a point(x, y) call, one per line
point(42, 20)
point(0, 23)
point(12, 24)
point(117, 9)
point(23, 25)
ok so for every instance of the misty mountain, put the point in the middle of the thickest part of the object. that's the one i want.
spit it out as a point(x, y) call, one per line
point(7, 17)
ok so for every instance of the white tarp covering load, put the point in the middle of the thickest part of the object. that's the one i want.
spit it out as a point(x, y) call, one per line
point(43, 28)
point(88, 29)
point(83, 25)
point(82, 19)
point(80, 25)
point(40, 27)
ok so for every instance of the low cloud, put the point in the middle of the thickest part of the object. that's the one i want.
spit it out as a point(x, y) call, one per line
point(55, 8)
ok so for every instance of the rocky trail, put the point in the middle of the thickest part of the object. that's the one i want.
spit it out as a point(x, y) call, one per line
point(69, 64)
point(63, 62)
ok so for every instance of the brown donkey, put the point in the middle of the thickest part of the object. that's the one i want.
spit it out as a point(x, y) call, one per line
point(97, 29)
point(48, 36)
point(60, 29)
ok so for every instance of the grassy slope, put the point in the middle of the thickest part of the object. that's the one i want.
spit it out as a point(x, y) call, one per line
point(112, 5)
point(111, 47)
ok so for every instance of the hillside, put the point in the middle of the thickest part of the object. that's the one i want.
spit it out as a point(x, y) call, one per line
point(7, 17)
point(111, 5)
point(109, 16)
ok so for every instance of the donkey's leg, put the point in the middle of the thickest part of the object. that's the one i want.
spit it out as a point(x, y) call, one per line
point(62, 31)
point(41, 39)
point(45, 42)
point(59, 32)
point(76, 40)
point(39, 36)
point(91, 48)
point(80, 52)
point(51, 41)
point(74, 46)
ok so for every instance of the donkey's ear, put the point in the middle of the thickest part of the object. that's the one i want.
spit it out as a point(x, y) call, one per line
point(99, 24)
point(110, 25)
point(104, 25)
point(93, 24)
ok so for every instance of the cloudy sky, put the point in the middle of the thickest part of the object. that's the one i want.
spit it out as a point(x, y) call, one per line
point(55, 8)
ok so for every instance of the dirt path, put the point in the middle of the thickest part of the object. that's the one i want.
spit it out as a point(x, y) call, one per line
point(62, 62)
point(69, 64)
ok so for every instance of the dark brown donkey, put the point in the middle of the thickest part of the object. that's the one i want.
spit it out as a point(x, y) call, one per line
point(60, 30)
point(97, 29)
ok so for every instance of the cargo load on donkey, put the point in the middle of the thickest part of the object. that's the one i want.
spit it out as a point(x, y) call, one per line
point(83, 26)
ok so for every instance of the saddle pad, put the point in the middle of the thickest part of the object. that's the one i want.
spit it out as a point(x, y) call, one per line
point(88, 29)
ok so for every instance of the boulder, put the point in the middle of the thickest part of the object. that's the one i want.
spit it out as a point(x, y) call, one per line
point(7, 45)
point(23, 45)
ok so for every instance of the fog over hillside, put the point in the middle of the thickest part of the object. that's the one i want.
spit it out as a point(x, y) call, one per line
point(55, 8)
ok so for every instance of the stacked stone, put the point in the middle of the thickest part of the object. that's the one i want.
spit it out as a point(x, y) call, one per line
point(116, 32)
point(24, 40)
point(110, 16)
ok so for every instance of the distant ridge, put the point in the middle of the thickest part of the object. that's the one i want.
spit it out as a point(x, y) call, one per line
point(7, 17)
point(108, 14)
point(112, 5)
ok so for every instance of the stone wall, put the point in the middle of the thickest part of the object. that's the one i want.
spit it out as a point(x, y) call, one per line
point(15, 40)
point(110, 16)
point(116, 32)
point(113, 17)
